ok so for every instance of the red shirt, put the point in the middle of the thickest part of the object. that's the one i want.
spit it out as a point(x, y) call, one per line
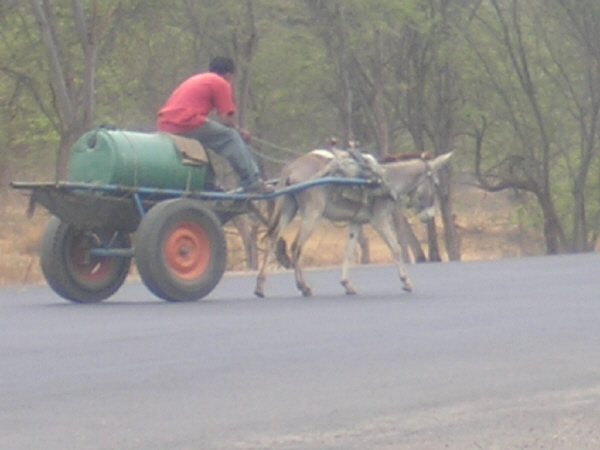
point(194, 99)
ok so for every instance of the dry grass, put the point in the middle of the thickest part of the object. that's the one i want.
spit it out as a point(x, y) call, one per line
point(486, 227)
point(19, 242)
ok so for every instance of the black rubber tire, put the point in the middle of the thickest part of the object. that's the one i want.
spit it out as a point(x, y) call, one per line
point(180, 250)
point(71, 272)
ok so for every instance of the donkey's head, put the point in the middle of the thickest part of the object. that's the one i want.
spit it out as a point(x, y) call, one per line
point(421, 197)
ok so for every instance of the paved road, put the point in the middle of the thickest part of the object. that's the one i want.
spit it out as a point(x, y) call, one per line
point(492, 355)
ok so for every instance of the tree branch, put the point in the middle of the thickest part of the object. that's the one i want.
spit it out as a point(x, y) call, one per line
point(64, 101)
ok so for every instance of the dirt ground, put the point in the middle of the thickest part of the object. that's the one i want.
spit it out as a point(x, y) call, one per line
point(486, 223)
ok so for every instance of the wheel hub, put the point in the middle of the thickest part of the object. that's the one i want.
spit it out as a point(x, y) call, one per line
point(187, 250)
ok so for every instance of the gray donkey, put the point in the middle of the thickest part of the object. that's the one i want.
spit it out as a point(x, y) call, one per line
point(413, 178)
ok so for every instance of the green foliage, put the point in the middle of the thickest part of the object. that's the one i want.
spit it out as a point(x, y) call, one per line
point(533, 96)
point(523, 75)
point(289, 90)
point(27, 130)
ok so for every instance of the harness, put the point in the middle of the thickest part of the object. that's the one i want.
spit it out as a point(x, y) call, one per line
point(428, 173)
point(352, 163)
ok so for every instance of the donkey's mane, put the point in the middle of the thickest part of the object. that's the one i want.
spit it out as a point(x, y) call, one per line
point(425, 156)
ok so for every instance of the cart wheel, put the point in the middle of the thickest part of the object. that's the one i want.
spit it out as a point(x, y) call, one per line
point(180, 250)
point(72, 272)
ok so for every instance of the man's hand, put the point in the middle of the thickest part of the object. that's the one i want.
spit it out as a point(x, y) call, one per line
point(229, 121)
point(246, 136)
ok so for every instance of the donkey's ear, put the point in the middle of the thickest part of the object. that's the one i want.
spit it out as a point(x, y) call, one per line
point(441, 161)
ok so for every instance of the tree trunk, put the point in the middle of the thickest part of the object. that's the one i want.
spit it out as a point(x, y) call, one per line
point(553, 233)
point(75, 106)
point(579, 241)
point(451, 237)
point(432, 239)
point(67, 140)
point(248, 232)
point(4, 182)
point(244, 55)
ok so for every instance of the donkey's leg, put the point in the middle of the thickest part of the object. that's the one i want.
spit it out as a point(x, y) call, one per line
point(261, 278)
point(353, 232)
point(383, 226)
point(287, 212)
point(307, 225)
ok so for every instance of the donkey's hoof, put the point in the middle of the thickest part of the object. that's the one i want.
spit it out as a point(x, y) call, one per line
point(259, 294)
point(348, 287)
point(307, 292)
point(406, 284)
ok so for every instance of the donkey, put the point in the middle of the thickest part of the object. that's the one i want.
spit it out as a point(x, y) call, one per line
point(413, 178)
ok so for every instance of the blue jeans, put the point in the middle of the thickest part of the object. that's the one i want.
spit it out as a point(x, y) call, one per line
point(227, 142)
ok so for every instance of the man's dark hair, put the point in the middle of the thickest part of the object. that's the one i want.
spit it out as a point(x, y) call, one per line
point(221, 65)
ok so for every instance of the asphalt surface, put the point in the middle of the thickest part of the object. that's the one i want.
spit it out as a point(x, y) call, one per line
point(487, 355)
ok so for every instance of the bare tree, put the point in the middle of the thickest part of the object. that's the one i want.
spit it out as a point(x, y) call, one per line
point(582, 21)
point(544, 93)
point(72, 88)
point(230, 28)
point(420, 61)
point(399, 73)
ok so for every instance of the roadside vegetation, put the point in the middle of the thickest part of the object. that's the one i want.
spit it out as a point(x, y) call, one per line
point(487, 225)
point(511, 86)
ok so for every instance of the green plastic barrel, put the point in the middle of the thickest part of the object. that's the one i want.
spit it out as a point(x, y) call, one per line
point(133, 159)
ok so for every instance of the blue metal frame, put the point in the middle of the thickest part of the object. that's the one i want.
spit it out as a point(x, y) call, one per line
point(143, 193)
point(202, 195)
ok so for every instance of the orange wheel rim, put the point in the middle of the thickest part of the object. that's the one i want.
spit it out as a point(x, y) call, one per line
point(86, 268)
point(188, 251)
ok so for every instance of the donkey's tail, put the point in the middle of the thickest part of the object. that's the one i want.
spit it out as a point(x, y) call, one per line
point(284, 211)
point(274, 229)
point(274, 219)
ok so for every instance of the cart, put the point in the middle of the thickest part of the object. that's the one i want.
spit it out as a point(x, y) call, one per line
point(151, 197)
point(175, 235)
